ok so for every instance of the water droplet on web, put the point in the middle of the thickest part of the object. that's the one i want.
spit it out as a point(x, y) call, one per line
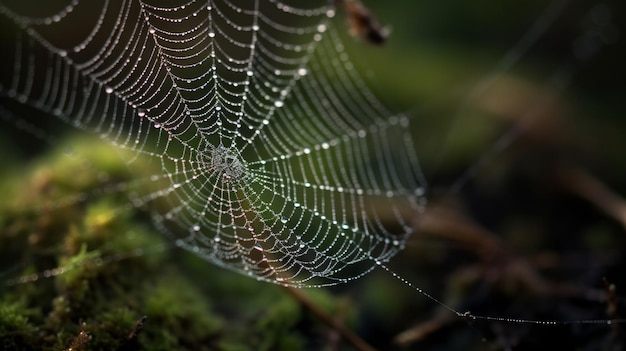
point(142, 113)
point(278, 103)
point(211, 34)
point(108, 90)
point(196, 228)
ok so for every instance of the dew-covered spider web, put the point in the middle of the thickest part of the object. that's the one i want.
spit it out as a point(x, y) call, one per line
point(274, 159)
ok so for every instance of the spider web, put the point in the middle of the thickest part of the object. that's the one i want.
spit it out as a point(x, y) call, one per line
point(275, 159)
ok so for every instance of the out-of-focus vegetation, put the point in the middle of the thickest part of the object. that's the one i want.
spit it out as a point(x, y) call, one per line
point(92, 274)
point(531, 234)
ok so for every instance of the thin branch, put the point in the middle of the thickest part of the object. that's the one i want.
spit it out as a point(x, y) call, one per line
point(582, 183)
point(345, 333)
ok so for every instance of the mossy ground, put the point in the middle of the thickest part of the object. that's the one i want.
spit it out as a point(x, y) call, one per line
point(81, 269)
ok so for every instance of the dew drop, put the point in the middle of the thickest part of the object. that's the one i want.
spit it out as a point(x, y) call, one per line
point(279, 103)
point(211, 34)
point(108, 90)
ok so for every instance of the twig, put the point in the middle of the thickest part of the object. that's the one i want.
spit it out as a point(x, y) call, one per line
point(346, 333)
point(420, 331)
point(580, 182)
point(138, 327)
point(611, 306)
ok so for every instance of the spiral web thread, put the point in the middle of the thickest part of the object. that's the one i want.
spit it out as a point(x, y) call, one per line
point(276, 161)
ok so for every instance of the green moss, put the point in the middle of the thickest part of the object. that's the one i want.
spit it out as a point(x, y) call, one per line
point(83, 267)
point(178, 312)
point(78, 270)
point(16, 331)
